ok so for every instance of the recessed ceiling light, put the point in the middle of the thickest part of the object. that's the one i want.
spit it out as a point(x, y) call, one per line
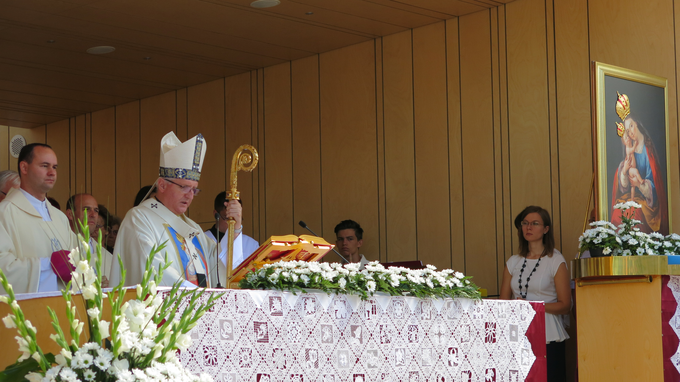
point(51, 41)
point(265, 3)
point(147, 58)
point(309, 13)
point(101, 49)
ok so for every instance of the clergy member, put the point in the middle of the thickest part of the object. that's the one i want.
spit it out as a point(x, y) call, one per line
point(162, 219)
point(77, 207)
point(31, 230)
point(244, 245)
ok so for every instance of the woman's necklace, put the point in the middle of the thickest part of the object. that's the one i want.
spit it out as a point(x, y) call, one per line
point(526, 285)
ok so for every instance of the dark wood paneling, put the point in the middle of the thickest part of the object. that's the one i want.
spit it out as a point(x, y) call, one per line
point(306, 144)
point(104, 158)
point(278, 160)
point(206, 116)
point(431, 145)
point(399, 138)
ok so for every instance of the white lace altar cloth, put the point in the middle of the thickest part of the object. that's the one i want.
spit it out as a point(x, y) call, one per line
point(674, 286)
point(271, 336)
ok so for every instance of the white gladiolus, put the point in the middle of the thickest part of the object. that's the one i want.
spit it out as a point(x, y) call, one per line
point(93, 312)
point(82, 267)
point(34, 377)
point(104, 328)
point(4, 299)
point(183, 341)
point(89, 292)
point(9, 321)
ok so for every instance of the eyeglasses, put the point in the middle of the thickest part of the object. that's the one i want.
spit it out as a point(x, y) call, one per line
point(3, 192)
point(185, 189)
point(532, 224)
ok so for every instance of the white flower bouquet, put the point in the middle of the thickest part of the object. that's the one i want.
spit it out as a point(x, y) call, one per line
point(603, 236)
point(297, 276)
point(139, 344)
point(671, 245)
point(624, 240)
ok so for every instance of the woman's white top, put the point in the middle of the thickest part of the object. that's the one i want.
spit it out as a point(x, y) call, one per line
point(541, 288)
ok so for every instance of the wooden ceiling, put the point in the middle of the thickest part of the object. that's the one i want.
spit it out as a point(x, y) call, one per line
point(163, 45)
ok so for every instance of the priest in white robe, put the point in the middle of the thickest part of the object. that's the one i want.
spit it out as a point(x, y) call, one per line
point(32, 232)
point(162, 219)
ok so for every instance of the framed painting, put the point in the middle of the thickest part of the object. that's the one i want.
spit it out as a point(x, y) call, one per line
point(631, 146)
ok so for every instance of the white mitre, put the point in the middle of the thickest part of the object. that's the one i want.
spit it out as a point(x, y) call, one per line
point(182, 160)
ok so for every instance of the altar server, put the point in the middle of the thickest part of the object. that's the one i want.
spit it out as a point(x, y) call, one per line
point(32, 232)
point(162, 219)
point(244, 245)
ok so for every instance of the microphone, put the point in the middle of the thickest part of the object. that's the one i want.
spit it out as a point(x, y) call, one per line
point(217, 233)
point(304, 225)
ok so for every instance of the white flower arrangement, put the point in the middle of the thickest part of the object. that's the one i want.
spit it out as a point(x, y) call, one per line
point(671, 245)
point(602, 235)
point(139, 344)
point(626, 239)
point(349, 279)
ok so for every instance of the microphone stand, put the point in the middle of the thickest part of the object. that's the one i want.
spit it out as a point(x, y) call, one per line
point(303, 225)
point(217, 237)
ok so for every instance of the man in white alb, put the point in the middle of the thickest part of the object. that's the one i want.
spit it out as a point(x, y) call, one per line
point(244, 245)
point(161, 219)
point(32, 232)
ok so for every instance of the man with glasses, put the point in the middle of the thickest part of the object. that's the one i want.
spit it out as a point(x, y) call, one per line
point(161, 219)
point(78, 207)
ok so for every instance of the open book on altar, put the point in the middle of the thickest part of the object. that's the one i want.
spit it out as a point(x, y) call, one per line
point(283, 248)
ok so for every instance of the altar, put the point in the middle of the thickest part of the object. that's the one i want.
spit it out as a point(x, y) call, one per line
point(268, 336)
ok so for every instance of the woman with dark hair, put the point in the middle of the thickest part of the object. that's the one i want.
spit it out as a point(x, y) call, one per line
point(539, 273)
point(639, 178)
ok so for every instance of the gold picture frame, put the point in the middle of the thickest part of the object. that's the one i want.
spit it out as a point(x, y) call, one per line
point(631, 145)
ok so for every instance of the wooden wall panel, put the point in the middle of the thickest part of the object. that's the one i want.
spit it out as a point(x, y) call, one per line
point(528, 120)
point(457, 231)
point(57, 136)
point(79, 151)
point(380, 151)
point(477, 149)
point(127, 156)
point(278, 160)
point(181, 111)
point(104, 158)
point(157, 117)
point(306, 145)
point(4, 148)
point(205, 108)
point(574, 127)
point(348, 142)
point(237, 103)
point(431, 145)
point(257, 96)
point(497, 82)
point(399, 138)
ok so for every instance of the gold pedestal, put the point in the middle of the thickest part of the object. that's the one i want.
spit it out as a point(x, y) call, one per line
point(618, 315)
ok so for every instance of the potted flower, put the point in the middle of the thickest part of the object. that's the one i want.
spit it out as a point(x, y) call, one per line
point(601, 240)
